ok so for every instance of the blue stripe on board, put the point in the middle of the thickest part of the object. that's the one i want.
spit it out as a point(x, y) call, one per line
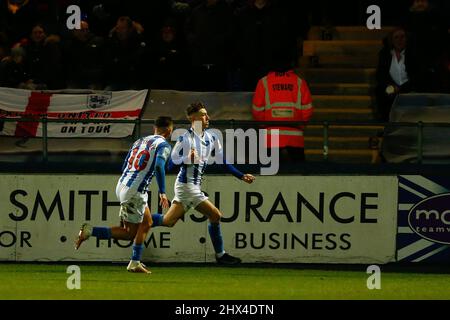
point(443, 256)
point(402, 220)
point(421, 253)
point(415, 186)
point(443, 181)
point(404, 240)
point(407, 197)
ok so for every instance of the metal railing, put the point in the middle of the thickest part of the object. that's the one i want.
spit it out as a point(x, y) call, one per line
point(232, 124)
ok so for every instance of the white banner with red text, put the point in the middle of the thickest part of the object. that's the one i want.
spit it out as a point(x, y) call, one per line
point(18, 103)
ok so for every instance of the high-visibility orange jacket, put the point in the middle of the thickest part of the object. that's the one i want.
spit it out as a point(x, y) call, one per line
point(283, 97)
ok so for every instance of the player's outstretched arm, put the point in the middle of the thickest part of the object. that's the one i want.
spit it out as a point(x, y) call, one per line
point(248, 178)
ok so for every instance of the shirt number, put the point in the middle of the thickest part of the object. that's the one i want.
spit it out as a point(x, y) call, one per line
point(139, 161)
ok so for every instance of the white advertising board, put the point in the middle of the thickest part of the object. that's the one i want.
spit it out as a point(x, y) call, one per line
point(278, 219)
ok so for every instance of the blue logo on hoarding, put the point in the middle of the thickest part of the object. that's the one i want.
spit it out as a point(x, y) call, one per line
point(423, 219)
point(430, 218)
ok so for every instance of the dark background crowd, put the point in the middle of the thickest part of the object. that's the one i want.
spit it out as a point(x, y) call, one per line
point(197, 45)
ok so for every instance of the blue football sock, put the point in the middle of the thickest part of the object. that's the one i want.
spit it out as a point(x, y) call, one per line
point(216, 237)
point(101, 232)
point(137, 252)
point(157, 220)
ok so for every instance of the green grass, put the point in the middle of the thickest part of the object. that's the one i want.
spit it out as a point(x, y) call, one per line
point(210, 282)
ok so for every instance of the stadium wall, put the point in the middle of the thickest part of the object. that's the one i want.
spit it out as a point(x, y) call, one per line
point(278, 219)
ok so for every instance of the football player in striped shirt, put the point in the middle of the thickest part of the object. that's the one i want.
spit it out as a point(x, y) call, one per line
point(192, 152)
point(146, 158)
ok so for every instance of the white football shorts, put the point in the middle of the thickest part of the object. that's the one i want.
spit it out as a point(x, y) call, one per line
point(189, 195)
point(132, 204)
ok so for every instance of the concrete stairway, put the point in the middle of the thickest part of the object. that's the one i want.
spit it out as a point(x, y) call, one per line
point(339, 65)
point(347, 33)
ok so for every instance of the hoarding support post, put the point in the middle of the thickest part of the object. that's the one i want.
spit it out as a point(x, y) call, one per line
point(137, 130)
point(44, 139)
point(325, 140)
point(420, 142)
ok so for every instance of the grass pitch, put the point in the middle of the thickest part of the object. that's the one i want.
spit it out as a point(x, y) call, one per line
point(210, 282)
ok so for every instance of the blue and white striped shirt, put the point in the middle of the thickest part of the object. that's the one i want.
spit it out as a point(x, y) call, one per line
point(209, 150)
point(139, 165)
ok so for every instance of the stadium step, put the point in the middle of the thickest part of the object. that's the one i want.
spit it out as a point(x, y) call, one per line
point(336, 47)
point(338, 75)
point(343, 131)
point(339, 66)
point(343, 114)
point(342, 89)
point(336, 101)
point(339, 61)
point(348, 33)
point(342, 156)
point(355, 142)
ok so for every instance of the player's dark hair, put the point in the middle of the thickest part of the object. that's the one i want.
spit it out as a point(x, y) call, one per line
point(163, 122)
point(194, 107)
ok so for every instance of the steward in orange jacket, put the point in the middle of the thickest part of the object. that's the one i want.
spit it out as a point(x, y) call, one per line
point(283, 96)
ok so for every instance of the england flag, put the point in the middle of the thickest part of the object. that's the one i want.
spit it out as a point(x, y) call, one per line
point(18, 103)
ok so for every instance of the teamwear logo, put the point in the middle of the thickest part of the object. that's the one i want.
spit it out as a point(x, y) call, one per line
point(430, 218)
point(421, 212)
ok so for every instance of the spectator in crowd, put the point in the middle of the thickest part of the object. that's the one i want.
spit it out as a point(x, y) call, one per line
point(125, 53)
point(13, 71)
point(84, 59)
point(150, 14)
point(16, 18)
point(3, 52)
point(261, 28)
point(282, 95)
point(168, 68)
point(4, 48)
point(445, 73)
point(429, 42)
point(179, 13)
point(396, 72)
point(208, 32)
point(44, 58)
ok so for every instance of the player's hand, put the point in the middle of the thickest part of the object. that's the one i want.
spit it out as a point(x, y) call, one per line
point(163, 201)
point(248, 178)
